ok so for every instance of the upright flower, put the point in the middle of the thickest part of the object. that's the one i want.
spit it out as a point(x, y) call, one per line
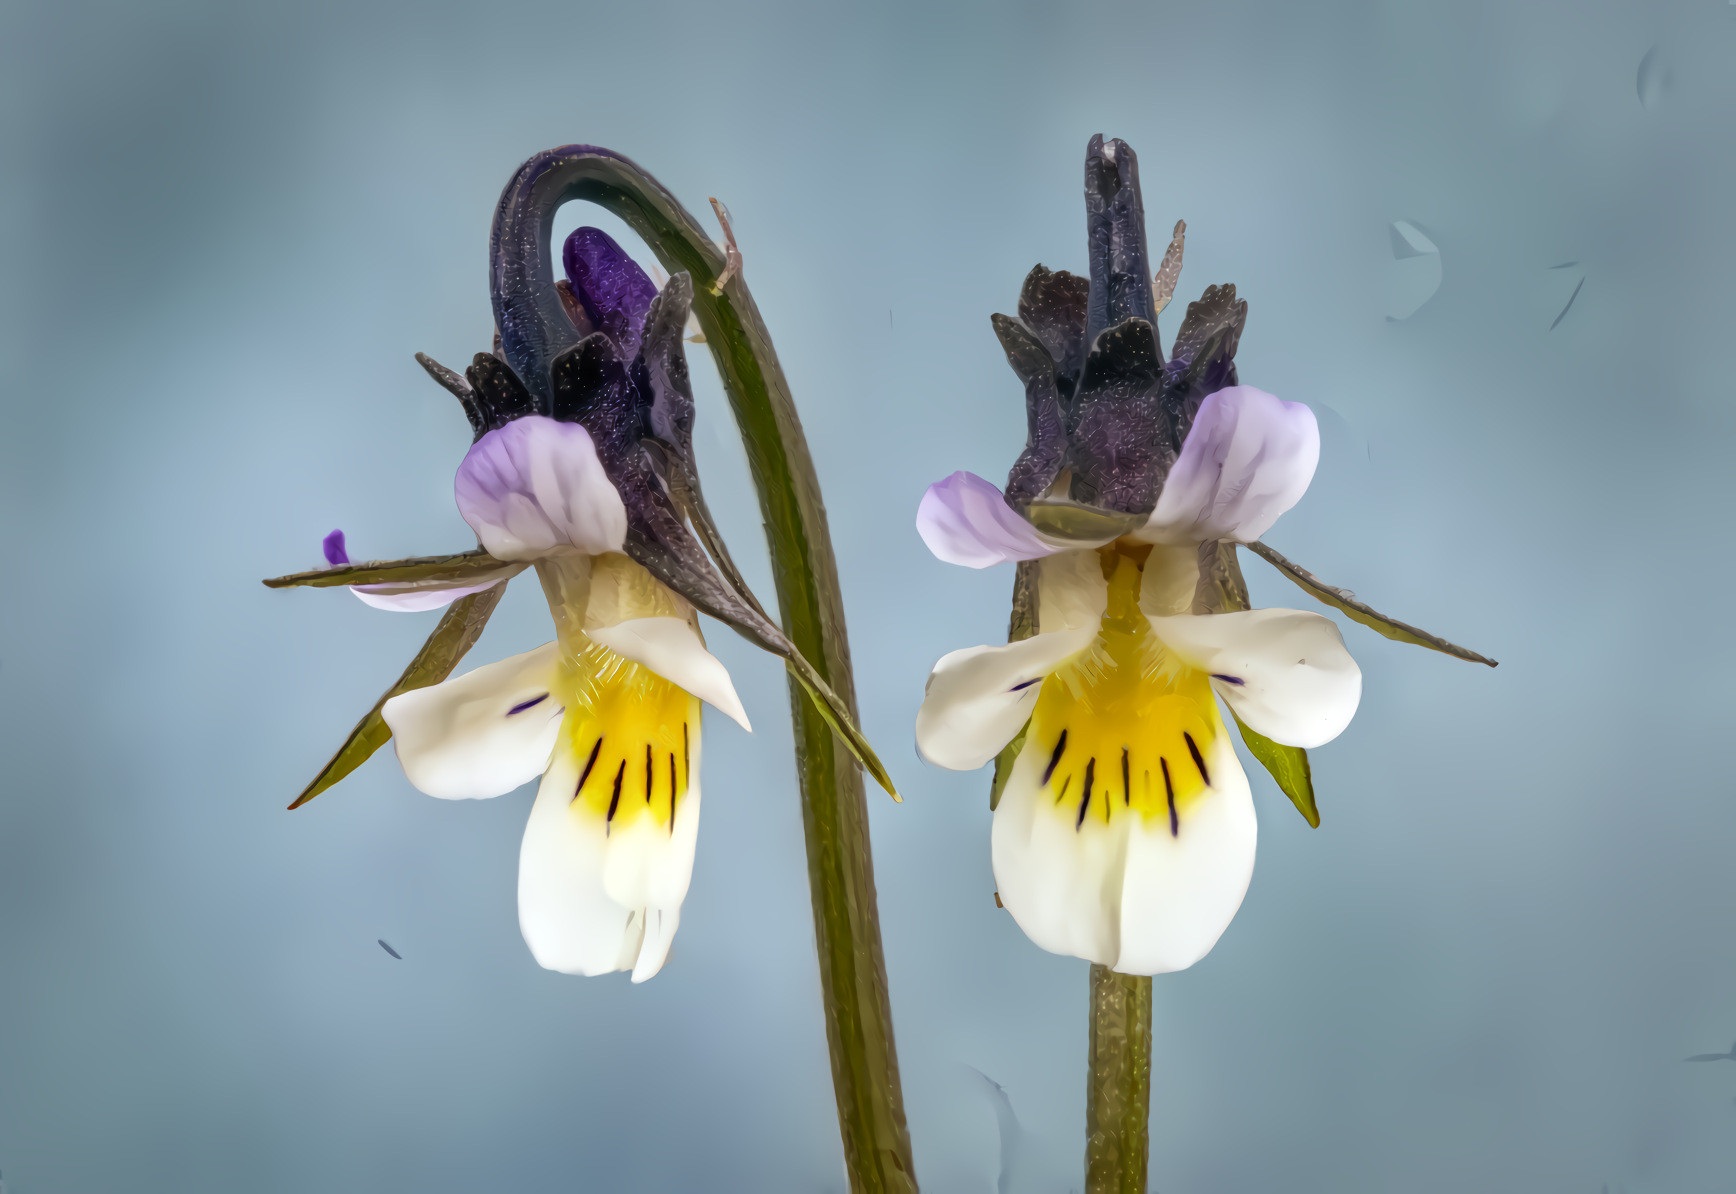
point(1125, 832)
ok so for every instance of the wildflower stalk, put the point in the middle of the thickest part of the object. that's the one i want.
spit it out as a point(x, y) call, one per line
point(834, 809)
point(1118, 1092)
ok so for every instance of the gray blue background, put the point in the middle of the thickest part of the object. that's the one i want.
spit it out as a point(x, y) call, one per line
point(224, 229)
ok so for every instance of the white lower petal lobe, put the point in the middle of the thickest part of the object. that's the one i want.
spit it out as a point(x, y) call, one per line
point(672, 648)
point(1285, 672)
point(480, 734)
point(1128, 894)
point(608, 851)
point(1125, 834)
point(979, 697)
point(1180, 891)
point(593, 898)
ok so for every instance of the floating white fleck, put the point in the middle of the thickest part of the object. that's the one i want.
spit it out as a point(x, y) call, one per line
point(1008, 1127)
point(1655, 79)
point(1415, 274)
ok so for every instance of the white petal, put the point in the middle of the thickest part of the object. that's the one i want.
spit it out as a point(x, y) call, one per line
point(672, 648)
point(591, 901)
point(1169, 579)
point(1181, 891)
point(1071, 591)
point(1285, 672)
point(480, 734)
point(415, 597)
point(1248, 458)
point(1063, 887)
point(1129, 894)
point(534, 487)
point(979, 697)
point(965, 520)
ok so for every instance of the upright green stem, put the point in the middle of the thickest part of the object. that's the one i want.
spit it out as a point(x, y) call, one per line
point(834, 809)
point(1118, 1100)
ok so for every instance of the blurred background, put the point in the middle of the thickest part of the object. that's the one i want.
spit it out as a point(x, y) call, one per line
point(1490, 243)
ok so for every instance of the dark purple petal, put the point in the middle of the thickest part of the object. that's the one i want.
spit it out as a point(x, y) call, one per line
point(1204, 357)
point(1052, 304)
point(1119, 441)
point(499, 394)
point(1045, 440)
point(591, 386)
point(333, 546)
point(614, 292)
point(666, 392)
point(1115, 231)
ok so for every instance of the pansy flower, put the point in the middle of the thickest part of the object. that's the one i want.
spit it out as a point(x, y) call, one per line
point(582, 469)
point(1124, 831)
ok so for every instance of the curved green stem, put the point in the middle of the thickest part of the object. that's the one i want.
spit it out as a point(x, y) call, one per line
point(834, 809)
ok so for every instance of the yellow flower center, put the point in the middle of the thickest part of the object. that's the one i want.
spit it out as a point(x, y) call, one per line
point(1126, 726)
point(630, 735)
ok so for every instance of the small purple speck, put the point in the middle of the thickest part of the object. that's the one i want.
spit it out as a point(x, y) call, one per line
point(1236, 680)
point(1026, 684)
point(333, 546)
point(523, 705)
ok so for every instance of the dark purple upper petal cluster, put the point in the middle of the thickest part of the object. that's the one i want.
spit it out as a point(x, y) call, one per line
point(1107, 413)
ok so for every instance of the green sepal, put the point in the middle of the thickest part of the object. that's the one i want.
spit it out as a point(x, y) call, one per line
point(1288, 765)
point(459, 628)
point(465, 565)
point(1004, 766)
point(1356, 611)
point(1021, 625)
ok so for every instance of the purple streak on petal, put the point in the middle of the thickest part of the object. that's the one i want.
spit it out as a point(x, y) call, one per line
point(1020, 687)
point(530, 704)
point(1236, 680)
point(333, 546)
point(965, 520)
point(1248, 458)
point(611, 287)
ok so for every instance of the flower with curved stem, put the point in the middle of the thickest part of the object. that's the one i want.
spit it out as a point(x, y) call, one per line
point(582, 468)
point(1124, 832)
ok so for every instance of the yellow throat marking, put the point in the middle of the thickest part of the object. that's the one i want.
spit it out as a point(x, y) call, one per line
point(1125, 727)
point(631, 736)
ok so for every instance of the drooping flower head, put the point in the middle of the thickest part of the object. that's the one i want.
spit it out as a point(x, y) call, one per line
point(1125, 830)
point(582, 467)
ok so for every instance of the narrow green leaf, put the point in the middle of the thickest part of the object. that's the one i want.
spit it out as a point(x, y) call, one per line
point(837, 715)
point(1356, 611)
point(1288, 765)
point(465, 565)
point(459, 628)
